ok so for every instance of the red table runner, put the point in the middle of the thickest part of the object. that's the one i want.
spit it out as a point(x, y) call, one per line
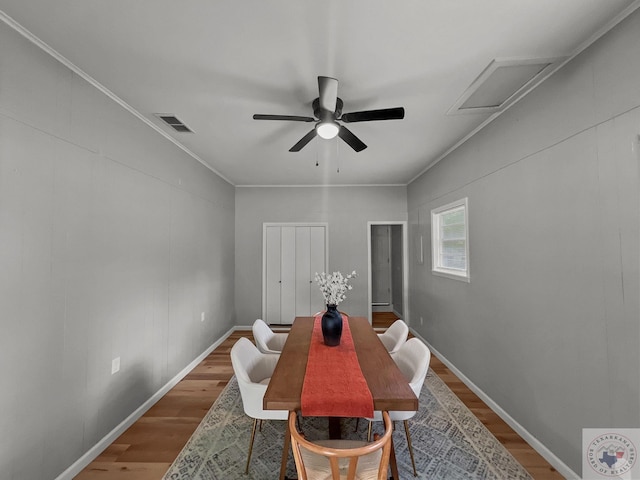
point(334, 385)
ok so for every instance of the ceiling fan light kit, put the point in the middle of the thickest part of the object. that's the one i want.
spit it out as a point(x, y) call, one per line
point(327, 130)
point(327, 109)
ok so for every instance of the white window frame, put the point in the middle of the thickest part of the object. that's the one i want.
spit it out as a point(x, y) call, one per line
point(436, 267)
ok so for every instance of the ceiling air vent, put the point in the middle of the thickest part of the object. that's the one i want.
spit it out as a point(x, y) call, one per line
point(502, 83)
point(174, 122)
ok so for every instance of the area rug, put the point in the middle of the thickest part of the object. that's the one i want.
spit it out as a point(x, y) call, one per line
point(449, 442)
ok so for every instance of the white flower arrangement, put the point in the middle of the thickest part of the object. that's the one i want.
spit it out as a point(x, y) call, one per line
point(334, 286)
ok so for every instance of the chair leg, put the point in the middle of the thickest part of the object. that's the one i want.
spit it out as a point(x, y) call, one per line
point(253, 436)
point(413, 462)
point(369, 431)
point(260, 426)
point(357, 423)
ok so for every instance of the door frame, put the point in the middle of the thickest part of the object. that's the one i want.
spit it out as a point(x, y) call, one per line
point(265, 225)
point(405, 268)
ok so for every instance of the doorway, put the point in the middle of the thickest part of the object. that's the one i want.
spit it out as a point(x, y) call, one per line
point(388, 268)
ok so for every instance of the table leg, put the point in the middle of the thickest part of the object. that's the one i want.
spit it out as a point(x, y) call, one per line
point(285, 452)
point(393, 463)
point(334, 428)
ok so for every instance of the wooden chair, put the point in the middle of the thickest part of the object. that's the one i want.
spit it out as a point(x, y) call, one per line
point(341, 459)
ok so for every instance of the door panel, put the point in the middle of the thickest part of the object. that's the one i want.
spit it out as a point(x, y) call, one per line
point(288, 275)
point(303, 266)
point(317, 265)
point(272, 275)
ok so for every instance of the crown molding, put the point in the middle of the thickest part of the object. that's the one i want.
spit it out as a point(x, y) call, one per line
point(84, 75)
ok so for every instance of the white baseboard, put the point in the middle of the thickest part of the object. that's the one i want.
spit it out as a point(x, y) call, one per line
point(108, 439)
point(538, 446)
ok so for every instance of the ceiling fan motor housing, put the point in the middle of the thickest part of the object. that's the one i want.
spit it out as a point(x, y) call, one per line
point(324, 115)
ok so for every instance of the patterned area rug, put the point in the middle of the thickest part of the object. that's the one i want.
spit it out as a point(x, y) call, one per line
point(449, 442)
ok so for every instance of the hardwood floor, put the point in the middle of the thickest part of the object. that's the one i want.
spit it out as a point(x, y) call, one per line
point(383, 319)
point(146, 450)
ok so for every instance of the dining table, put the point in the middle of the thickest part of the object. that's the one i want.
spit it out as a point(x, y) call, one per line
point(389, 387)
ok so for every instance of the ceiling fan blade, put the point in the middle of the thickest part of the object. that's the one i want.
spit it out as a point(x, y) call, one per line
point(295, 118)
point(354, 142)
point(303, 141)
point(328, 89)
point(396, 113)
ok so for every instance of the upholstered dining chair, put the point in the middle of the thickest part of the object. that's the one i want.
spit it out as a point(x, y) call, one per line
point(341, 459)
point(413, 361)
point(266, 339)
point(253, 370)
point(394, 336)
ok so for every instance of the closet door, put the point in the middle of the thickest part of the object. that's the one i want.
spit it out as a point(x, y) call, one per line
point(317, 264)
point(292, 256)
point(288, 263)
point(303, 271)
point(272, 286)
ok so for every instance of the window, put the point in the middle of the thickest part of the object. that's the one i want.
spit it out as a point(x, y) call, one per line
point(450, 240)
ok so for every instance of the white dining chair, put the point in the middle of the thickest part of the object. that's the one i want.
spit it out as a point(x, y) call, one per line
point(413, 361)
point(253, 370)
point(266, 339)
point(395, 336)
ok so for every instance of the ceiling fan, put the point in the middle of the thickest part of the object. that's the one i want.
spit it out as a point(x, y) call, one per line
point(327, 109)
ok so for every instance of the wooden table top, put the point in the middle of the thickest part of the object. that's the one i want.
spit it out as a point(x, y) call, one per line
point(389, 387)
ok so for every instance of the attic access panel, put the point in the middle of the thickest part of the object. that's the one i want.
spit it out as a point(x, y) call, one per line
point(501, 83)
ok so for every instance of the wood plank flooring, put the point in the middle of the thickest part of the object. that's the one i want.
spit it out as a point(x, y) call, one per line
point(146, 450)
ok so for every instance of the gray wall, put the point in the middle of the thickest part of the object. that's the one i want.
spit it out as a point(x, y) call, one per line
point(548, 326)
point(397, 288)
point(347, 211)
point(112, 242)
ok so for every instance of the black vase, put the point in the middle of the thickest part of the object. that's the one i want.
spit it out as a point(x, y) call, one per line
point(332, 326)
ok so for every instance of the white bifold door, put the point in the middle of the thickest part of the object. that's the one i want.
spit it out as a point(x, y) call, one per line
point(293, 253)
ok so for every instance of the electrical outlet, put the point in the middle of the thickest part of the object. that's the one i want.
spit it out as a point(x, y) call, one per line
point(115, 365)
point(202, 317)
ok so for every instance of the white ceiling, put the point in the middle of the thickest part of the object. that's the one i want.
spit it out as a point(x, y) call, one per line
point(216, 63)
